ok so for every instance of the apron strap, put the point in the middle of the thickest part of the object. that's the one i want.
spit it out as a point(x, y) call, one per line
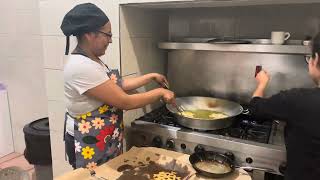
point(64, 136)
point(64, 126)
point(65, 131)
point(67, 45)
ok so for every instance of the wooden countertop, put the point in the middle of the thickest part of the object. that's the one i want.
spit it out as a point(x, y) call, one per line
point(108, 170)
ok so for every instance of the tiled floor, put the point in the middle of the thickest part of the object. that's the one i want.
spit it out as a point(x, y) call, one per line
point(16, 159)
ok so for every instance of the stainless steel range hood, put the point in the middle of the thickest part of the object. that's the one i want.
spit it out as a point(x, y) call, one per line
point(169, 4)
point(227, 70)
point(254, 48)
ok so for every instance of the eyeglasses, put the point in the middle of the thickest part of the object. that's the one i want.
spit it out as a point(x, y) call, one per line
point(106, 34)
point(308, 58)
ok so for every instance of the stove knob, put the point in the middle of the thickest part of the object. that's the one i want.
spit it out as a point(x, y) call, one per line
point(249, 160)
point(199, 148)
point(170, 144)
point(156, 142)
point(282, 167)
point(183, 146)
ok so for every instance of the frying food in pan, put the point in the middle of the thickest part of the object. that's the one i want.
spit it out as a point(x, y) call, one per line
point(212, 164)
point(202, 120)
point(188, 114)
point(213, 167)
point(203, 114)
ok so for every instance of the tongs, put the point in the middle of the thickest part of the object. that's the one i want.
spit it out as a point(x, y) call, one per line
point(179, 108)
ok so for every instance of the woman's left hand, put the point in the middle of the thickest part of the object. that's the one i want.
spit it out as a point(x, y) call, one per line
point(161, 79)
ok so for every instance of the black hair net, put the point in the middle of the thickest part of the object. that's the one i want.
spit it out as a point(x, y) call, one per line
point(81, 19)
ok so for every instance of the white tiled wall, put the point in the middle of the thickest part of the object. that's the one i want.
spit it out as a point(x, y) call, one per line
point(53, 52)
point(21, 65)
point(54, 85)
point(53, 11)
point(55, 113)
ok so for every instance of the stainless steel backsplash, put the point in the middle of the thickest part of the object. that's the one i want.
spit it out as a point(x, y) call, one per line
point(231, 75)
point(245, 22)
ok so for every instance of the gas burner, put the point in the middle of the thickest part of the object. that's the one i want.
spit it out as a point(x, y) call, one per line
point(246, 122)
point(244, 127)
point(235, 132)
point(248, 138)
point(257, 134)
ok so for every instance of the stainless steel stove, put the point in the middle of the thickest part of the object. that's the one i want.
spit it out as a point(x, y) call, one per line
point(252, 142)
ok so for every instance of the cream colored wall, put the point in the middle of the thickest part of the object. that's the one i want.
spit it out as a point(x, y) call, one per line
point(52, 13)
point(21, 65)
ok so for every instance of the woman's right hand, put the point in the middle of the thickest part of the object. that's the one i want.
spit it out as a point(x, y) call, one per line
point(262, 78)
point(168, 96)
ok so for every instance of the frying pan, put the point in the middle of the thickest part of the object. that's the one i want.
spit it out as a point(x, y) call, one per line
point(225, 161)
point(231, 109)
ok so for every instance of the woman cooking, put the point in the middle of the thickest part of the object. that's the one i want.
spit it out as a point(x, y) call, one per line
point(95, 94)
point(299, 108)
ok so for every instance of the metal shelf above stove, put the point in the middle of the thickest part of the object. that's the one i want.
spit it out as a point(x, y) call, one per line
point(251, 48)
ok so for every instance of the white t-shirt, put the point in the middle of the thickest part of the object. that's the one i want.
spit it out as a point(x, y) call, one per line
point(80, 75)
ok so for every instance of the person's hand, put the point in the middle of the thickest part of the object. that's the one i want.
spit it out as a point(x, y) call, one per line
point(262, 78)
point(161, 79)
point(168, 96)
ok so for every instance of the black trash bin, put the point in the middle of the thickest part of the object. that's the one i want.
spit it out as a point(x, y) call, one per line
point(38, 148)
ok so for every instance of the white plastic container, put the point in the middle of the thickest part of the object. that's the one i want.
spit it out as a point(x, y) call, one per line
point(6, 140)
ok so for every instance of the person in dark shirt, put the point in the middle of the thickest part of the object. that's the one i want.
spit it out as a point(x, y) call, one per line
point(299, 108)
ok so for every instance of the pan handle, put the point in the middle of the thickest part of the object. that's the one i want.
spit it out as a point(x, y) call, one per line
point(199, 149)
point(256, 168)
point(246, 111)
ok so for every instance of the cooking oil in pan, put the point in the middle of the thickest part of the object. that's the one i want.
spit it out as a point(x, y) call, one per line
point(203, 114)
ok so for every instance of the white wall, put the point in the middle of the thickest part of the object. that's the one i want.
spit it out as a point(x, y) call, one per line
point(21, 65)
point(51, 14)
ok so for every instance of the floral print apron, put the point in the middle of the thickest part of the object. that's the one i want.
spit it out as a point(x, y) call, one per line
point(99, 134)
